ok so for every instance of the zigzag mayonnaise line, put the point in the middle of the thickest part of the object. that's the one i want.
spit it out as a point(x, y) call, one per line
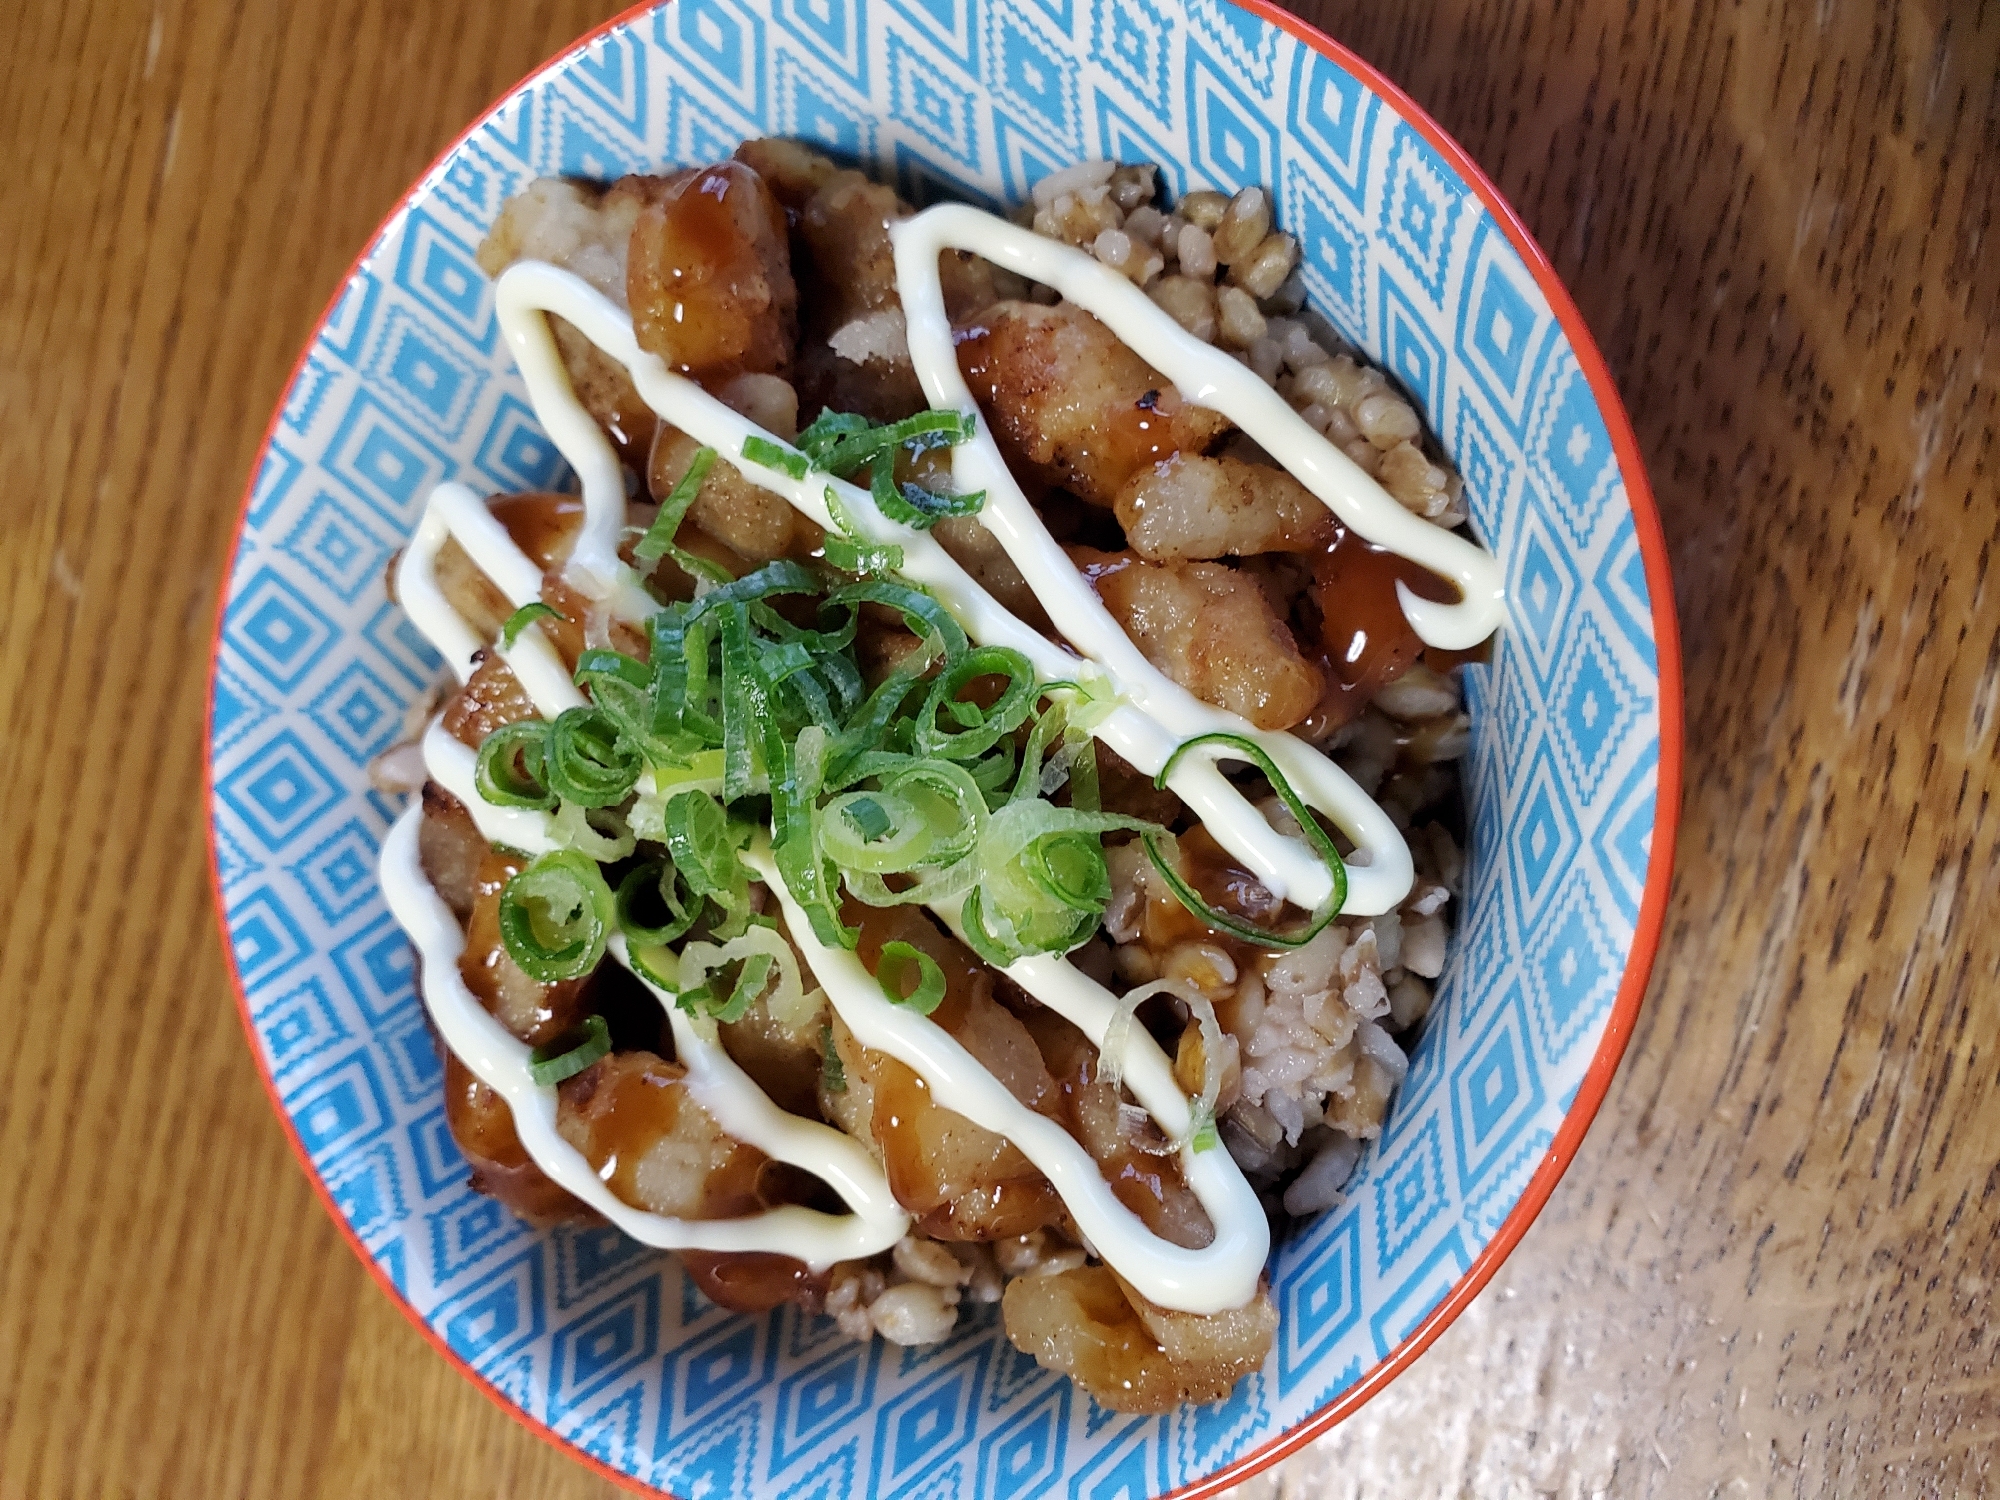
point(1152, 715)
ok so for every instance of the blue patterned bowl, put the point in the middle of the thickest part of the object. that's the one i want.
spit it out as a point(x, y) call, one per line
point(1573, 783)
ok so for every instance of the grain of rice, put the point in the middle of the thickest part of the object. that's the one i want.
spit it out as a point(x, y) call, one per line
point(929, 1262)
point(1083, 176)
point(914, 1313)
point(1238, 322)
point(1423, 947)
point(1244, 225)
point(1365, 454)
point(1189, 302)
point(1145, 223)
point(1318, 1187)
point(1386, 420)
point(1208, 968)
point(1409, 1001)
point(1264, 270)
point(1419, 693)
point(1196, 251)
point(1204, 207)
point(1317, 417)
point(1134, 185)
point(1265, 358)
point(1291, 296)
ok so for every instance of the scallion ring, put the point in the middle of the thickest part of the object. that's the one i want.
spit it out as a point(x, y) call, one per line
point(655, 883)
point(570, 1053)
point(980, 728)
point(1320, 840)
point(588, 761)
point(509, 771)
point(525, 616)
point(891, 970)
point(556, 916)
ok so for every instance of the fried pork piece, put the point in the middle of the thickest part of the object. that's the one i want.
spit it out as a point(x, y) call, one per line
point(533, 1011)
point(588, 231)
point(753, 523)
point(1130, 1355)
point(483, 1126)
point(748, 519)
point(782, 1054)
point(979, 552)
point(793, 172)
point(709, 277)
point(634, 1120)
point(451, 849)
point(1211, 630)
point(491, 698)
point(1189, 507)
point(1151, 1185)
point(1366, 636)
point(853, 353)
point(1070, 403)
point(963, 1182)
point(544, 526)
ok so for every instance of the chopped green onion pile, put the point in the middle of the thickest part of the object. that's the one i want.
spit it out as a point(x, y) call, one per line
point(750, 708)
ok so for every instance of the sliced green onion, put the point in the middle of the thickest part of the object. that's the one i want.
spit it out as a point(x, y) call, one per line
point(600, 832)
point(1320, 840)
point(912, 504)
point(980, 729)
point(928, 992)
point(703, 847)
point(751, 977)
point(556, 916)
point(588, 761)
point(853, 557)
point(618, 684)
point(658, 542)
point(655, 882)
point(760, 450)
point(509, 770)
point(1071, 868)
point(781, 577)
point(823, 437)
point(764, 956)
point(868, 819)
point(1038, 889)
point(744, 708)
point(1203, 1137)
point(798, 772)
point(525, 616)
point(832, 1076)
point(922, 613)
point(841, 442)
point(570, 1053)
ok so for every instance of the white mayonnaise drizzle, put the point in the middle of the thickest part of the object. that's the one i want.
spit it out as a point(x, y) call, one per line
point(1221, 1275)
point(1205, 375)
point(500, 1060)
point(1150, 718)
point(1153, 715)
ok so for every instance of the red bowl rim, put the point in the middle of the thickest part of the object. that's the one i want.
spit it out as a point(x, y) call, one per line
point(1659, 865)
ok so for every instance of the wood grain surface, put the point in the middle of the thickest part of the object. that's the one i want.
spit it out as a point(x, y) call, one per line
point(1771, 1269)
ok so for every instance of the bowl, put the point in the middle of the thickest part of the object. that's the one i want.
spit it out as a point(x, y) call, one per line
point(1572, 785)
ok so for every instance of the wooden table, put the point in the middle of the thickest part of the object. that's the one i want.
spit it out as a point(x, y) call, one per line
point(1770, 1270)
